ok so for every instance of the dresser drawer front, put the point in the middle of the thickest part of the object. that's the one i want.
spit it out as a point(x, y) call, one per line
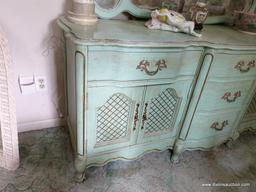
point(219, 95)
point(234, 64)
point(212, 124)
point(116, 63)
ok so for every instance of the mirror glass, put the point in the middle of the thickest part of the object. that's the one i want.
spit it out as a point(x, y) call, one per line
point(156, 3)
point(107, 4)
point(215, 7)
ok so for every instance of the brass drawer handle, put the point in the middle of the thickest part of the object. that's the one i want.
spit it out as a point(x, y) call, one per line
point(241, 66)
point(228, 96)
point(144, 64)
point(144, 116)
point(218, 127)
point(136, 117)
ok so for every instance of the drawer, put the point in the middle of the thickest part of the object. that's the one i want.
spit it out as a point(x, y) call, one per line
point(218, 95)
point(234, 64)
point(212, 124)
point(117, 63)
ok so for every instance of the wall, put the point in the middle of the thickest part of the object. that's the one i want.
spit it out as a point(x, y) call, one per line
point(37, 48)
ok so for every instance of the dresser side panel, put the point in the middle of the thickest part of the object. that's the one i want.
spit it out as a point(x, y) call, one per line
point(71, 90)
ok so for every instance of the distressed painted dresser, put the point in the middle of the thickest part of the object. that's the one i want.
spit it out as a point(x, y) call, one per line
point(131, 90)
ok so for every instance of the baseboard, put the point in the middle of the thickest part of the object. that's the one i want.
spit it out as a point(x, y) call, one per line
point(37, 125)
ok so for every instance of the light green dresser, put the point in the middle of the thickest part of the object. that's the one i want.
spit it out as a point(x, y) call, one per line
point(131, 90)
point(224, 89)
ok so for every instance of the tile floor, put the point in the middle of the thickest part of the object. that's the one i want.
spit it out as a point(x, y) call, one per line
point(46, 166)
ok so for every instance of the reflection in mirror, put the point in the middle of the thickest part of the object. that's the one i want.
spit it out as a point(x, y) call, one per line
point(171, 4)
point(217, 7)
point(107, 4)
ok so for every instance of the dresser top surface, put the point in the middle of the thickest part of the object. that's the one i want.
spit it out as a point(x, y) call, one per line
point(134, 33)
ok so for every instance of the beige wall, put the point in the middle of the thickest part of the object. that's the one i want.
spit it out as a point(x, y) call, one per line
point(36, 48)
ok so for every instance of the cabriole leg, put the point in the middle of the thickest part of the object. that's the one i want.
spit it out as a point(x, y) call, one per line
point(230, 142)
point(80, 167)
point(177, 150)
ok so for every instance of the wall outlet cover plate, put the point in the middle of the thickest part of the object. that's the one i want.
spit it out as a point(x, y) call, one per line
point(41, 83)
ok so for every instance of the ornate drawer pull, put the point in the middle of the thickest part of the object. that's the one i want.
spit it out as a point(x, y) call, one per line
point(136, 117)
point(243, 68)
point(144, 116)
point(144, 64)
point(227, 96)
point(219, 127)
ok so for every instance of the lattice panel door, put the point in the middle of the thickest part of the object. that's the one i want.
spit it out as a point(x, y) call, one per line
point(251, 111)
point(162, 112)
point(113, 119)
point(252, 107)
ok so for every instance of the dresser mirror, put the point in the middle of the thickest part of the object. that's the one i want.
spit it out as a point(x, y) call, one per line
point(107, 9)
point(107, 4)
point(130, 5)
point(216, 7)
point(220, 11)
point(155, 4)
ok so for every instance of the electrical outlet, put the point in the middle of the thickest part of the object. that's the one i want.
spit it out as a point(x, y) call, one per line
point(41, 83)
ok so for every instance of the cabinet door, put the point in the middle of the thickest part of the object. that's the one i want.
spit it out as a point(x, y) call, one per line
point(160, 113)
point(111, 117)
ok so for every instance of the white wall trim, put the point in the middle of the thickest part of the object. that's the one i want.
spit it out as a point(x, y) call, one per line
point(38, 125)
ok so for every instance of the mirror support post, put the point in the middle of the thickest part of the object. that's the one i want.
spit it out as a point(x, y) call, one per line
point(82, 12)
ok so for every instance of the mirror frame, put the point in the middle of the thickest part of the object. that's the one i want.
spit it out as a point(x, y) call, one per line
point(120, 7)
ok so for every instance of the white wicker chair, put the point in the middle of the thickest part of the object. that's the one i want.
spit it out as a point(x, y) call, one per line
point(9, 152)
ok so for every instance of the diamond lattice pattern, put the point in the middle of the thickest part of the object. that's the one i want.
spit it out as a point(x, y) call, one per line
point(112, 118)
point(252, 106)
point(162, 112)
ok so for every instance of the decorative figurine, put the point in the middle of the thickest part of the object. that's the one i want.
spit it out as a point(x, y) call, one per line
point(199, 14)
point(169, 20)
